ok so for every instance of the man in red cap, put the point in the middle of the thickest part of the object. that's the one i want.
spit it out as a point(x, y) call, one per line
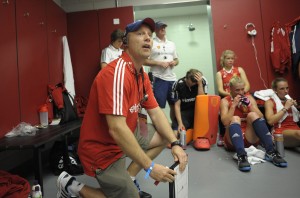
point(110, 130)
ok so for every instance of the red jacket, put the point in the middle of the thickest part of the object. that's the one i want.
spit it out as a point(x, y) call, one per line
point(13, 186)
point(280, 50)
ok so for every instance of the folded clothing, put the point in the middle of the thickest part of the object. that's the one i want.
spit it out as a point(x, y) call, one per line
point(255, 156)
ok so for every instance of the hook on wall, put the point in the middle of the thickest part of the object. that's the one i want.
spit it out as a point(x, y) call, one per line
point(5, 2)
point(191, 27)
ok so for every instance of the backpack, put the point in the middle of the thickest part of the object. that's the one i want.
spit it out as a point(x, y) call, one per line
point(61, 104)
point(56, 156)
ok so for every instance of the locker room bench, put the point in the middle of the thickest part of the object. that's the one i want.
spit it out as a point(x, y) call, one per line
point(38, 142)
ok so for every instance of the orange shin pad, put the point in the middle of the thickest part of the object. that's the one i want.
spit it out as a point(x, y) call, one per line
point(189, 136)
point(206, 118)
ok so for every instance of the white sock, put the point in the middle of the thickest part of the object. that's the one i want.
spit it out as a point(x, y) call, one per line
point(133, 178)
point(75, 187)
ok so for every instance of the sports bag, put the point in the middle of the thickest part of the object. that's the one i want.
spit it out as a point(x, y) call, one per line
point(63, 103)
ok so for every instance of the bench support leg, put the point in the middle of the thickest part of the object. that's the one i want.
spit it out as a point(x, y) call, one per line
point(38, 169)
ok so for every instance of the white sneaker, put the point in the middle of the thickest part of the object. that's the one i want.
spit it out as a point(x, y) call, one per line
point(63, 182)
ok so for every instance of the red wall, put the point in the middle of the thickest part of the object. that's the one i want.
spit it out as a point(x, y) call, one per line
point(30, 58)
point(9, 102)
point(88, 33)
point(229, 20)
point(106, 16)
point(83, 40)
point(284, 12)
point(56, 29)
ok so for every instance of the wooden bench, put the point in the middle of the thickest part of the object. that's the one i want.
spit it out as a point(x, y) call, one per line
point(37, 143)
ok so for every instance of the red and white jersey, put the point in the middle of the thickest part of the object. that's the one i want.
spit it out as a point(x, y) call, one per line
point(116, 90)
point(226, 76)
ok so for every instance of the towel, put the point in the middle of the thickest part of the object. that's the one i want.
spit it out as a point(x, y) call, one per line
point(68, 70)
point(269, 93)
point(255, 156)
point(264, 94)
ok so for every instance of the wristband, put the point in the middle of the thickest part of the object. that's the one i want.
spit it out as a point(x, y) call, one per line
point(148, 171)
point(175, 143)
point(284, 110)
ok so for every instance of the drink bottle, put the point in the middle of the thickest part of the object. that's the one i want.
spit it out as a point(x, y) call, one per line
point(183, 138)
point(36, 191)
point(278, 140)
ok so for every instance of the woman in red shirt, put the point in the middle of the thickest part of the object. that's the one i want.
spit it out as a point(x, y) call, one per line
point(284, 118)
point(223, 77)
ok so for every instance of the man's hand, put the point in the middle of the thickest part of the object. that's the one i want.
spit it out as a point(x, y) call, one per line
point(162, 173)
point(172, 63)
point(164, 64)
point(198, 77)
point(180, 127)
point(179, 155)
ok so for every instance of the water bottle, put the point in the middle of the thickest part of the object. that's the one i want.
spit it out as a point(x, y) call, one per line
point(278, 139)
point(36, 191)
point(43, 111)
point(183, 138)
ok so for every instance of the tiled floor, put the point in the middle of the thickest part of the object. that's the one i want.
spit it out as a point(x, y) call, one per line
point(214, 174)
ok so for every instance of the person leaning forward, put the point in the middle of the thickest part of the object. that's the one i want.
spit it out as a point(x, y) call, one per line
point(108, 131)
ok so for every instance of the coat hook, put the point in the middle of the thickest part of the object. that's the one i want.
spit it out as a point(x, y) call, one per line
point(26, 14)
point(5, 2)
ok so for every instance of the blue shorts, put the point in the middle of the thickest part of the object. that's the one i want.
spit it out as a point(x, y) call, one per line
point(163, 92)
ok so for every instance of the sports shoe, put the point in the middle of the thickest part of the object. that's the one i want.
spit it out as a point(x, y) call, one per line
point(243, 163)
point(141, 193)
point(63, 182)
point(276, 159)
point(220, 141)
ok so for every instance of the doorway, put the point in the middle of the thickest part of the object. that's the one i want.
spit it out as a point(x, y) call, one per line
point(195, 46)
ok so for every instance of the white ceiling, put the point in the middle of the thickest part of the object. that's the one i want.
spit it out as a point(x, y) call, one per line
point(142, 8)
point(169, 10)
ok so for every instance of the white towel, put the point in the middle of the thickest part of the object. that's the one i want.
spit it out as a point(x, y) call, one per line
point(269, 93)
point(264, 94)
point(255, 156)
point(68, 70)
point(296, 114)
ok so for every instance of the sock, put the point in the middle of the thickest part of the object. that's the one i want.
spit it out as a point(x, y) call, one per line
point(262, 131)
point(236, 137)
point(75, 188)
point(132, 177)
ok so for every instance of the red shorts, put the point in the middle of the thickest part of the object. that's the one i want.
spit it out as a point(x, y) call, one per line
point(280, 130)
point(228, 146)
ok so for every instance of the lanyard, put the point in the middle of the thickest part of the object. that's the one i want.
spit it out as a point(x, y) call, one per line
point(145, 96)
